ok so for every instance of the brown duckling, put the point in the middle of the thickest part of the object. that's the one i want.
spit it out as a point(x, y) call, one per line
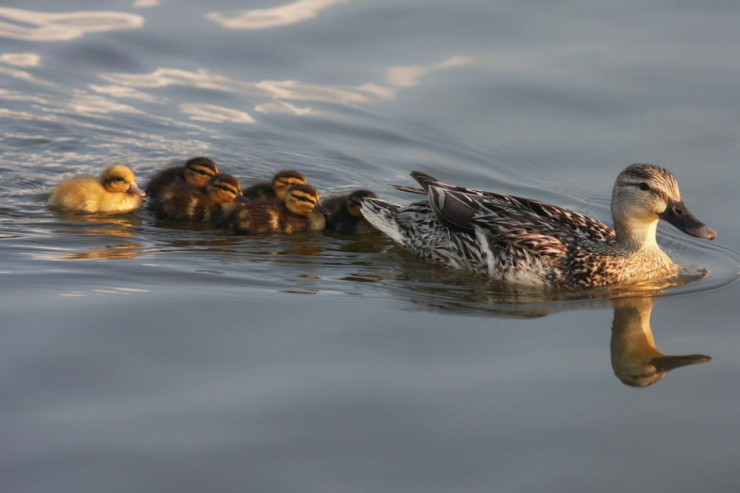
point(196, 171)
point(299, 212)
point(181, 201)
point(344, 213)
point(275, 189)
point(114, 191)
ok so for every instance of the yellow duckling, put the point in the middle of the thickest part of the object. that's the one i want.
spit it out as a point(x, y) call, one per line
point(300, 212)
point(196, 171)
point(114, 191)
point(181, 201)
point(277, 188)
point(344, 213)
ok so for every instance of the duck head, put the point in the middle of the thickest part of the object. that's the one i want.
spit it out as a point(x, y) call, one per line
point(199, 170)
point(642, 195)
point(285, 179)
point(120, 179)
point(354, 201)
point(303, 200)
point(223, 188)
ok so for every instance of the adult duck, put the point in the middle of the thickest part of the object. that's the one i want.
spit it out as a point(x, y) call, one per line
point(534, 243)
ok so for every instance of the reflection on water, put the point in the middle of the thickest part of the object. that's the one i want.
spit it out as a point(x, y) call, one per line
point(128, 250)
point(215, 114)
point(100, 226)
point(437, 287)
point(283, 15)
point(278, 92)
point(21, 59)
point(635, 359)
point(28, 25)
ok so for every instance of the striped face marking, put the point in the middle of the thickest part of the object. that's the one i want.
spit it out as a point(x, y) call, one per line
point(223, 188)
point(302, 199)
point(199, 170)
point(283, 180)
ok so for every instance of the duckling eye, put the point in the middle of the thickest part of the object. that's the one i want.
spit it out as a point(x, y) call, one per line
point(116, 179)
point(644, 186)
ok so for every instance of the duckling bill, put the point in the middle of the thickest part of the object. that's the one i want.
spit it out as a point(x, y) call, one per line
point(115, 191)
point(299, 212)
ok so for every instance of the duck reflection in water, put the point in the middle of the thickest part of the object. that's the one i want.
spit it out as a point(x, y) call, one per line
point(635, 359)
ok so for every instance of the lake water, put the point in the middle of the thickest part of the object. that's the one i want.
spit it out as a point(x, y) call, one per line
point(141, 357)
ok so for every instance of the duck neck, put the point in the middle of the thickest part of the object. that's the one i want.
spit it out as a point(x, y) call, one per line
point(636, 235)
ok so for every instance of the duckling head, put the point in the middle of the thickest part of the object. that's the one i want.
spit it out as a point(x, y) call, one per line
point(199, 170)
point(224, 188)
point(642, 195)
point(120, 179)
point(303, 200)
point(354, 201)
point(285, 179)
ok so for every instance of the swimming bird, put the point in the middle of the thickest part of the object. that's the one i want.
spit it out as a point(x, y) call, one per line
point(534, 243)
point(344, 213)
point(277, 187)
point(182, 201)
point(196, 171)
point(114, 191)
point(299, 212)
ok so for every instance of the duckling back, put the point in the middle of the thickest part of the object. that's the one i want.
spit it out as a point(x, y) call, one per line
point(270, 217)
point(299, 212)
point(115, 191)
point(182, 201)
point(196, 171)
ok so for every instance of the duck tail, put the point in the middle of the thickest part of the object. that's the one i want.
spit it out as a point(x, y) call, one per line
point(382, 215)
point(423, 179)
point(404, 188)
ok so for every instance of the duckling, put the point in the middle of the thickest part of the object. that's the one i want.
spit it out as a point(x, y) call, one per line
point(114, 191)
point(181, 201)
point(300, 212)
point(345, 216)
point(275, 189)
point(196, 171)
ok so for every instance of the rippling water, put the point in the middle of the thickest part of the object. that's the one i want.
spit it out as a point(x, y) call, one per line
point(139, 356)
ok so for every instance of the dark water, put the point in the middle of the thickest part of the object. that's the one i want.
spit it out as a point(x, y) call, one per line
point(138, 357)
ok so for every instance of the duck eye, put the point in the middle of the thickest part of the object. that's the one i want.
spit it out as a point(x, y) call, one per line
point(117, 179)
point(644, 186)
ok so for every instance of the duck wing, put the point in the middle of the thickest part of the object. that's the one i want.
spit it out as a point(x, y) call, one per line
point(457, 206)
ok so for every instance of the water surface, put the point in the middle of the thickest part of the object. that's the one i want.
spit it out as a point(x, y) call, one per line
point(139, 356)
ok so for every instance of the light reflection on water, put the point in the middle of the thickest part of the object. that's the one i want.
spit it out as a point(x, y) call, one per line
point(136, 352)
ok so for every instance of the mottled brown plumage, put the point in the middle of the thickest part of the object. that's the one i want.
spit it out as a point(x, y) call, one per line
point(529, 242)
point(181, 201)
point(344, 213)
point(299, 212)
point(196, 171)
point(276, 188)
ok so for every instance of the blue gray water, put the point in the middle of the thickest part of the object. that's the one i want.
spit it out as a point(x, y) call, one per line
point(140, 357)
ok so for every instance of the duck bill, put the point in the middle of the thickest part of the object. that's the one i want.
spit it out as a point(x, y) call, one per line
point(678, 215)
point(242, 199)
point(668, 363)
point(322, 209)
point(135, 190)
